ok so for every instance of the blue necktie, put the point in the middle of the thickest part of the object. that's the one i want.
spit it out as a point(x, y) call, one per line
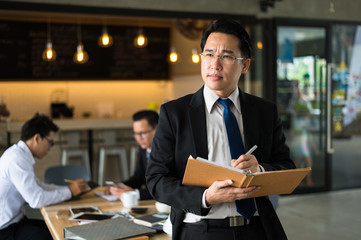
point(245, 207)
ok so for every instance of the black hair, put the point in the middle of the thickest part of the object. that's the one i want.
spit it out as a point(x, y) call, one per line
point(151, 116)
point(39, 124)
point(232, 27)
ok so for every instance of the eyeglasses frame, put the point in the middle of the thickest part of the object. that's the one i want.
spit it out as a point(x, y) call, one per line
point(204, 54)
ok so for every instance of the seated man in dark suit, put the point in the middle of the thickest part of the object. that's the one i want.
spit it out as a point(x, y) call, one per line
point(144, 126)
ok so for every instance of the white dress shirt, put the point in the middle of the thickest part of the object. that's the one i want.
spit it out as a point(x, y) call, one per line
point(18, 184)
point(218, 147)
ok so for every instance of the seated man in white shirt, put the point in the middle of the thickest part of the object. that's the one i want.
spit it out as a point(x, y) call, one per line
point(19, 184)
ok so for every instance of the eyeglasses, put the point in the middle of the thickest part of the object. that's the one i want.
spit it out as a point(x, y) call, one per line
point(141, 134)
point(51, 142)
point(224, 58)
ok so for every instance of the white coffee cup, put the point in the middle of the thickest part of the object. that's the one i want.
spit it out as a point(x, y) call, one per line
point(129, 199)
point(162, 208)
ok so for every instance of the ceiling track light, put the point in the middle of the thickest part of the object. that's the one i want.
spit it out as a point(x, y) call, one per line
point(49, 53)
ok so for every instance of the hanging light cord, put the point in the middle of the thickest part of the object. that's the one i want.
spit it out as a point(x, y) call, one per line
point(49, 31)
point(79, 34)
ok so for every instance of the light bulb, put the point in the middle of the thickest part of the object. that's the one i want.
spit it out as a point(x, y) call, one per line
point(173, 56)
point(140, 40)
point(332, 8)
point(80, 56)
point(260, 45)
point(195, 56)
point(49, 54)
point(105, 40)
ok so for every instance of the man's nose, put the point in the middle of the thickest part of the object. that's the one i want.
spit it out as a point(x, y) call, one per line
point(216, 62)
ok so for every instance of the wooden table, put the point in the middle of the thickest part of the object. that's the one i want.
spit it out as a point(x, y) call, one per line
point(56, 216)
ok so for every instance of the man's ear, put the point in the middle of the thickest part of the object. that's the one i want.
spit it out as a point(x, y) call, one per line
point(246, 63)
point(33, 141)
point(36, 138)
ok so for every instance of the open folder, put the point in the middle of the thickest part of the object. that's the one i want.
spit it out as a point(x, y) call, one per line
point(201, 172)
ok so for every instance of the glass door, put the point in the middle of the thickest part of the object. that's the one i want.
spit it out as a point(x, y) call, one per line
point(346, 105)
point(301, 98)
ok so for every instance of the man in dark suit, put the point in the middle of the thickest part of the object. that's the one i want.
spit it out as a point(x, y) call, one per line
point(144, 126)
point(194, 125)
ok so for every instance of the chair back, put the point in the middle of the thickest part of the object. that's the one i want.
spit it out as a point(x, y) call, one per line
point(71, 138)
point(110, 137)
point(57, 174)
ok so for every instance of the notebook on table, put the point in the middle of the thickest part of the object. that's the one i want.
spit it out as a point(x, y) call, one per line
point(117, 228)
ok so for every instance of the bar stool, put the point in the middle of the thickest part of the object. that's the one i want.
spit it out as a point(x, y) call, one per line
point(74, 150)
point(111, 149)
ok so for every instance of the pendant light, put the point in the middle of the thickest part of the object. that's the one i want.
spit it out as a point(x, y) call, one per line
point(49, 53)
point(332, 7)
point(195, 56)
point(105, 40)
point(80, 56)
point(140, 41)
point(173, 55)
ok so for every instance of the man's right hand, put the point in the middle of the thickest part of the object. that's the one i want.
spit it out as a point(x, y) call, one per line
point(77, 187)
point(222, 191)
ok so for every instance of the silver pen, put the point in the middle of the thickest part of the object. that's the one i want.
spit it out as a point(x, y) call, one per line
point(251, 150)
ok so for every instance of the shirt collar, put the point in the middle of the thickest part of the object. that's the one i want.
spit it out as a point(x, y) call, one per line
point(22, 145)
point(211, 98)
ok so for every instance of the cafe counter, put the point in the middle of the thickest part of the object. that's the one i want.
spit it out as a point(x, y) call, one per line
point(77, 124)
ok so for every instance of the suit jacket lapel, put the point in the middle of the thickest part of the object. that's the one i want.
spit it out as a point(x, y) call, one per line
point(197, 118)
point(248, 117)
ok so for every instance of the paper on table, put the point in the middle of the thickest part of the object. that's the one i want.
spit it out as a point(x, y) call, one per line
point(101, 194)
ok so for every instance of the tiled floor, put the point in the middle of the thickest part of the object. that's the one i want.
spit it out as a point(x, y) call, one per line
point(332, 215)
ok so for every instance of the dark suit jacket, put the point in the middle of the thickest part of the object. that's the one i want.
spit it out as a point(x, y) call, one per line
point(138, 179)
point(182, 132)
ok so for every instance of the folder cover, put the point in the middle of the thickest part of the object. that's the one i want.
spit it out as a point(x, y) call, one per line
point(117, 228)
point(201, 172)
